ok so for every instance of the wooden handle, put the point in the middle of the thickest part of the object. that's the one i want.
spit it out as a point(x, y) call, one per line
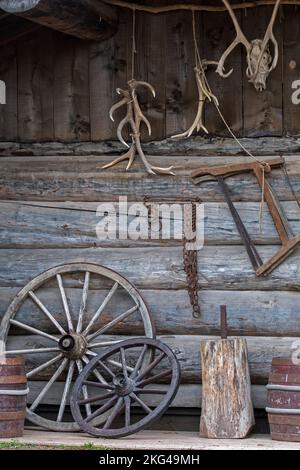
point(233, 168)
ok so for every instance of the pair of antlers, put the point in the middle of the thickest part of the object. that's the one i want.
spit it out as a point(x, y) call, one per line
point(134, 117)
point(259, 59)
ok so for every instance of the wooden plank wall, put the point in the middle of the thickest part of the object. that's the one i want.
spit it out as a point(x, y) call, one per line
point(61, 89)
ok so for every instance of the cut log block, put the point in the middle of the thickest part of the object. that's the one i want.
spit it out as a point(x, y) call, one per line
point(85, 19)
point(227, 410)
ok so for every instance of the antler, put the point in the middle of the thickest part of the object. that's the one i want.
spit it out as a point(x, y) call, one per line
point(134, 117)
point(264, 58)
point(258, 54)
point(204, 94)
point(239, 39)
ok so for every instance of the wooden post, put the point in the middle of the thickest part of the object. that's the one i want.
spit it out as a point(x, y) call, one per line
point(227, 410)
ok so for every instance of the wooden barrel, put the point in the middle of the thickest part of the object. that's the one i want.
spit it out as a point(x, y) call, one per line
point(284, 400)
point(13, 396)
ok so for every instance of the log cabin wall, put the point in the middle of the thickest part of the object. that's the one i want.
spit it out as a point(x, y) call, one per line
point(59, 92)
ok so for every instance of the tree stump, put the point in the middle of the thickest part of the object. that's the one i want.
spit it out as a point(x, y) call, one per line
point(227, 410)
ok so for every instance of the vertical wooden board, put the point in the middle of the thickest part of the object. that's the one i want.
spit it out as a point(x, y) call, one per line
point(156, 76)
point(71, 90)
point(108, 66)
point(35, 87)
point(9, 111)
point(101, 89)
point(150, 66)
point(291, 70)
point(181, 89)
point(262, 110)
point(219, 32)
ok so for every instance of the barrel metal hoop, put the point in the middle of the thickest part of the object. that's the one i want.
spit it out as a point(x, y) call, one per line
point(283, 411)
point(287, 388)
point(15, 392)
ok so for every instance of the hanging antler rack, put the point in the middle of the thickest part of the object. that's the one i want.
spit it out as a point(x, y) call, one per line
point(288, 240)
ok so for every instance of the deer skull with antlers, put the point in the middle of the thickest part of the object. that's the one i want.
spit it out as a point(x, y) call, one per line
point(259, 59)
point(134, 117)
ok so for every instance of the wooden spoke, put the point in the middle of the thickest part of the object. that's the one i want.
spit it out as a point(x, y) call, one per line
point(101, 410)
point(152, 365)
point(153, 378)
point(107, 369)
point(119, 365)
point(49, 385)
point(84, 389)
point(103, 344)
point(90, 353)
point(139, 362)
point(43, 366)
point(95, 372)
point(127, 411)
point(113, 322)
point(101, 308)
point(66, 391)
point(31, 351)
point(115, 413)
point(150, 391)
point(99, 385)
point(65, 302)
point(33, 330)
point(82, 309)
point(44, 309)
point(96, 398)
point(140, 402)
point(123, 362)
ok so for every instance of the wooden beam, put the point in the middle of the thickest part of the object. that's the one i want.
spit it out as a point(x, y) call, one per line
point(85, 19)
point(13, 28)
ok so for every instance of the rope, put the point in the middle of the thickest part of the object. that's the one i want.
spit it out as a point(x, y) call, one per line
point(263, 164)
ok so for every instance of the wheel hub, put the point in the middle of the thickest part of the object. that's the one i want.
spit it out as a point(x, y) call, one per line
point(73, 345)
point(124, 385)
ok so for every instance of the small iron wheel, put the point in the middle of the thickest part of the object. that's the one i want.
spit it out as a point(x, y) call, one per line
point(59, 321)
point(131, 400)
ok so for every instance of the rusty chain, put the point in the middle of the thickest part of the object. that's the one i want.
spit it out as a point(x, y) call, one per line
point(190, 263)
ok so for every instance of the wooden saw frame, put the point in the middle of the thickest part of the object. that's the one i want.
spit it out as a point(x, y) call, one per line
point(288, 240)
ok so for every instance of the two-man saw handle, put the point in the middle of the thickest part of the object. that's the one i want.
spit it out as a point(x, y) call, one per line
point(233, 168)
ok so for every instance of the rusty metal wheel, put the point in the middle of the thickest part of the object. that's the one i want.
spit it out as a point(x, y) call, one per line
point(69, 313)
point(134, 397)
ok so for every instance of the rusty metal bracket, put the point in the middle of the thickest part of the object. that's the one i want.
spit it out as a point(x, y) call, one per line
point(288, 240)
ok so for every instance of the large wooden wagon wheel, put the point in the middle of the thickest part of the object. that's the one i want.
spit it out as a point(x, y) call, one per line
point(125, 405)
point(67, 327)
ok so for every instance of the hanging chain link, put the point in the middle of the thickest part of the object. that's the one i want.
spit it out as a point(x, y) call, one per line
point(190, 263)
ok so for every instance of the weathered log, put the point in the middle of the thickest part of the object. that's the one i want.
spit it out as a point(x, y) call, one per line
point(85, 19)
point(219, 267)
point(198, 146)
point(260, 314)
point(261, 352)
point(227, 410)
point(35, 179)
point(73, 225)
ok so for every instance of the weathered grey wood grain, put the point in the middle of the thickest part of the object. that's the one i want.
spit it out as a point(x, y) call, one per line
point(188, 395)
point(84, 180)
point(220, 267)
point(22, 224)
point(187, 350)
point(227, 410)
point(194, 146)
point(262, 313)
